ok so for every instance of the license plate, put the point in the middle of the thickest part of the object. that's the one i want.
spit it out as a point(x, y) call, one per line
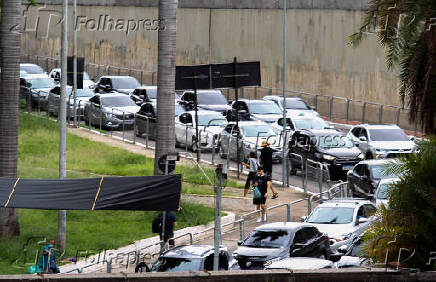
point(347, 167)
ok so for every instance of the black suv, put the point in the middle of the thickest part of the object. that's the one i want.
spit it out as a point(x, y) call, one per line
point(212, 100)
point(364, 178)
point(329, 147)
point(191, 258)
point(281, 240)
point(121, 84)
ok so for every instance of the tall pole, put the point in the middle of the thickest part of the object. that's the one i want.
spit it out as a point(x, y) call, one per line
point(163, 246)
point(284, 160)
point(217, 229)
point(75, 61)
point(235, 71)
point(62, 215)
point(197, 138)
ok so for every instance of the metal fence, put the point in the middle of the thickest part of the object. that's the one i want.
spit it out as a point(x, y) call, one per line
point(333, 108)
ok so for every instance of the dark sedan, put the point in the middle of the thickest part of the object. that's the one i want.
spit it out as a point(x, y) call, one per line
point(329, 147)
point(364, 178)
point(281, 240)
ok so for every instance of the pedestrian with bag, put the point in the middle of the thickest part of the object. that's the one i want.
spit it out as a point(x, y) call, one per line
point(170, 223)
point(262, 185)
point(252, 166)
point(265, 160)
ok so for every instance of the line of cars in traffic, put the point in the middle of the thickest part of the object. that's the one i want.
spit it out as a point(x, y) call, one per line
point(334, 227)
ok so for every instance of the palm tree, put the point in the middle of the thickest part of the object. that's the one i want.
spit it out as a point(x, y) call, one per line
point(166, 79)
point(9, 92)
point(407, 29)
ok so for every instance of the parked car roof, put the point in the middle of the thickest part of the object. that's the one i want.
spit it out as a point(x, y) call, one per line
point(344, 202)
point(283, 225)
point(190, 251)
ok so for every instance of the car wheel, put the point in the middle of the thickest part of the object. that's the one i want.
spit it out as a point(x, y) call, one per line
point(222, 154)
point(292, 168)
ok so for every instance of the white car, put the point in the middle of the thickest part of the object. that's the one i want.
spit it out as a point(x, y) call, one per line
point(263, 110)
point(381, 193)
point(382, 141)
point(210, 125)
point(293, 105)
point(55, 74)
point(251, 136)
point(342, 220)
point(299, 121)
point(299, 263)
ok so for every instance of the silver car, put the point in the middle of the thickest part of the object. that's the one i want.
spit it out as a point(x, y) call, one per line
point(251, 135)
point(381, 195)
point(210, 125)
point(36, 88)
point(110, 110)
point(342, 220)
point(381, 141)
point(293, 105)
point(299, 121)
point(82, 98)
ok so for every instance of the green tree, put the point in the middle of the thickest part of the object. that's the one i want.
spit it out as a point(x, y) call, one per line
point(9, 92)
point(407, 29)
point(410, 221)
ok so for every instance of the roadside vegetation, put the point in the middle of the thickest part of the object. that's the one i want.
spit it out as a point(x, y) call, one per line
point(409, 224)
point(86, 230)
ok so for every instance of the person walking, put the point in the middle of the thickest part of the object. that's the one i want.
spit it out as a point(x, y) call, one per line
point(262, 184)
point(266, 161)
point(170, 223)
point(252, 166)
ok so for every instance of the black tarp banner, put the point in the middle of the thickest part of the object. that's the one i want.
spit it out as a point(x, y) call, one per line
point(146, 193)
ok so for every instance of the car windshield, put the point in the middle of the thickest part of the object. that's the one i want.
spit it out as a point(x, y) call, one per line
point(211, 98)
point(151, 93)
point(296, 104)
point(84, 93)
point(310, 123)
point(331, 215)
point(383, 191)
point(124, 82)
point(177, 264)
point(381, 172)
point(33, 69)
point(267, 239)
point(254, 130)
point(117, 101)
point(44, 82)
point(333, 141)
point(179, 109)
point(385, 134)
point(214, 119)
point(263, 108)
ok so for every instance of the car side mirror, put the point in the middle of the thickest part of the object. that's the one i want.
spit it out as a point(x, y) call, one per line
point(343, 249)
point(108, 87)
point(28, 84)
point(412, 138)
point(92, 86)
point(362, 220)
point(362, 138)
point(303, 218)
point(356, 144)
point(313, 108)
point(240, 242)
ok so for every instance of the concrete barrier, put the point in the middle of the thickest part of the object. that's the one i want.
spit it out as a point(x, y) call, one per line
point(344, 275)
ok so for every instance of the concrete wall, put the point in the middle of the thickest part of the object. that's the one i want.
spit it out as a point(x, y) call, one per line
point(319, 59)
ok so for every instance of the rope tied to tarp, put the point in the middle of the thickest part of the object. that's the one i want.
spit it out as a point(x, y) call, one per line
point(12, 192)
point(98, 193)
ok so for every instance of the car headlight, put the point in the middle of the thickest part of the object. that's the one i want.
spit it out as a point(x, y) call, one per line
point(328, 157)
point(110, 115)
point(361, 156)
point(380, 150)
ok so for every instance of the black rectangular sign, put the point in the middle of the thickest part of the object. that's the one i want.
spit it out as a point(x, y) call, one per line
point(80, 70)
point(232, 75)
point(247, 74)
point(185, 77)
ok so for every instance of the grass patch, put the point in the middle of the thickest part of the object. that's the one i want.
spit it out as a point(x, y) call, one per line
point(94, 128)
point(86, 230)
